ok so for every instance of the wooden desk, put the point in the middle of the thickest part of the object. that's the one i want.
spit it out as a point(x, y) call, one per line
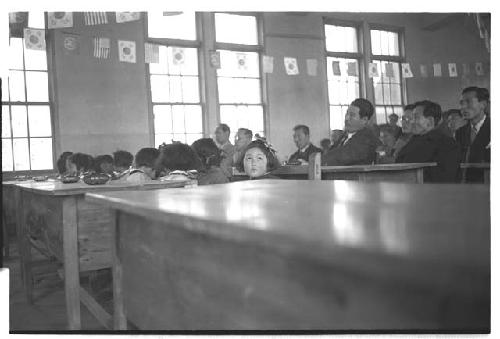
point(480, 165)
point(406, 173)
point(285, 254)
point(55, 218)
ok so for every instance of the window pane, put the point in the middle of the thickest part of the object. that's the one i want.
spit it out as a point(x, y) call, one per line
point(236, 29)
point(41, 153)
point(385, 42)
point(343, 88)
point(190, 138)
point(180, 137)
point(35, 60)
point(36, 20)
point(395, 94)
point(337, 114)
point(175, 93)
point(190, 89)
point(178, 119)
point(194, 120)
point(183, 61)
point(173, 25)
point(21, 155)
point(19, 121)
point(7, 161)
point(162, 66)
point(5, 122)
point(162, 119)
point(39, 121)
point(37, 86)
point(16, 86)
point(393, 42)
point(380, 115)
point(234, 90)
point(237, 116)
point(376, 45)
point(16, 53)
point(379, 97)
point(163, 138)
point(239, 64)
point(159, 88)
point(341, 39)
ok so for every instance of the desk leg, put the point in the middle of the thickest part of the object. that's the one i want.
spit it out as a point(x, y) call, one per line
point(420, 176)
point(71, 262)
point(120, 320)
point(24, 246)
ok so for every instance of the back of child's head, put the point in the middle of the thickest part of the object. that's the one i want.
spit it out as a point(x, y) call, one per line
point(123, 159)
point(178, 156)
point(147, 157)
point(207, 151)
point(82, 161)
point(103, 163)
point(61, 162)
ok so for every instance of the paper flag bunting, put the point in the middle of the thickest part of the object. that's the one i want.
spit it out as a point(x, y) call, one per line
point(18, 21)
point(291, 66)
point(215, 59)
point(437, 70)
point(71, 44)
point(389, 70)
point(268, 64)
point(336, 68)
point(423, 71)
point(352, 69)
point(18, 17)
point(452, 69)
point(60, 19)
point(151, 53)
point(34, 39)
point(126, 51)
point(101, 47)
point(465, 69)
point(312, 67)
point(241, 58)
point(178, 55)
point(479, 68)
point(406, 70)
point(372, 70)
point(95, 18)
point(127, 16)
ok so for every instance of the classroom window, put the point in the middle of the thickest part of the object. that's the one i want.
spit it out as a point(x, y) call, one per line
point(387, 86)
point(174, 81)
point(239, 82)
point(27, 136)
point(343, 69)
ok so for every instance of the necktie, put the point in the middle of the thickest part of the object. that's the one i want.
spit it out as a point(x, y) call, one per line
point(473, 134)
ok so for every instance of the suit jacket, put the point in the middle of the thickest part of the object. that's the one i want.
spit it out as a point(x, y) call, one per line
point(304, 155)
point(226, 164)
point(433, 146)
point(358, 150)
point(477, 150)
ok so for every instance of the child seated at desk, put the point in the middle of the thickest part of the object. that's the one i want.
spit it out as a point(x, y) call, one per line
point(259, 160)
point(210, 156)
point(122, 162)
point(179, 161)
point(61, 163)
point(145, 161)
point(79, 163)
point(104, 164)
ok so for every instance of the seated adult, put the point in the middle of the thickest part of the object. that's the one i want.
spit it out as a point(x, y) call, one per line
point(358, 145)
point(259, 160)
point(454, 121)
point(406, 129)
point(179, 162)
point(385, 152)
point(393, 122)
point(222, 133)
point(210, 156)
point(325, 145)
point(241, 141)
point(429, 144)
point(336, 137)
point(474, 137)
point(301, 137)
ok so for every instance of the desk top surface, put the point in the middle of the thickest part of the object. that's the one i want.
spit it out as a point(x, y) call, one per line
point(303, 169)
point(482, 165)
point(429, 222)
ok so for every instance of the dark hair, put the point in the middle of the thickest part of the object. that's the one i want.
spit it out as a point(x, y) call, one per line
point(61, 162)
point(102, 159)
point(325, 142)
point(394, 115)
point(303, 128)
point(482, 94)
point(365, 107)
point(409, 106)
point(389, 129)
point(431, 109)
point(272, 161)
point(179, 156)
point(82, 161)
point(224, 128)
point(147, 157)
point(123, 159)
point(208, 152)
point(247, 132)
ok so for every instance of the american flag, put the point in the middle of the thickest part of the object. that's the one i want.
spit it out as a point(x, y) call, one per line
point(101, 48)
point(95, 18)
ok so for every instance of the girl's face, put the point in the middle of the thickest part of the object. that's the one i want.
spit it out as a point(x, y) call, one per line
point(255, 163)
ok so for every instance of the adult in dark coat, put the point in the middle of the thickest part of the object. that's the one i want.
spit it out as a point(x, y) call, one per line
point(474, 137)
point(430, 144)
point(358, 145)
point(301, 137)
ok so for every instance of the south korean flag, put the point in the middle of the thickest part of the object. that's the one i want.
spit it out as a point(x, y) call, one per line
point(34, 39)
point(60, 19)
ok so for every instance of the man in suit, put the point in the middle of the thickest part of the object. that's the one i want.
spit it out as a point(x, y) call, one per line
point(301, 137)
point(430, 144)
point(358, 145)
point(222, 133)
point(241, 141)
point(475, 136)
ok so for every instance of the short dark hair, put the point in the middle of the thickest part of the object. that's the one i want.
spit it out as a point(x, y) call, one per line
point(178, 156)
point(147, 157)
point(102, 159)
point(389, 129)
point(247, 132)
point(431, 109)
point(365, 107)
point(208, 152)
point(123, 158)
point(303, 128)
point(325, 142)
point(408, 107)
point(482, 94)
point(61, 162)
point(82, 161)
point(272, 161)
point(394, 115)
point(224, 128)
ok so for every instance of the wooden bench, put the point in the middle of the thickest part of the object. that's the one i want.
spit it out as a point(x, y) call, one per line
point(480, 165)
